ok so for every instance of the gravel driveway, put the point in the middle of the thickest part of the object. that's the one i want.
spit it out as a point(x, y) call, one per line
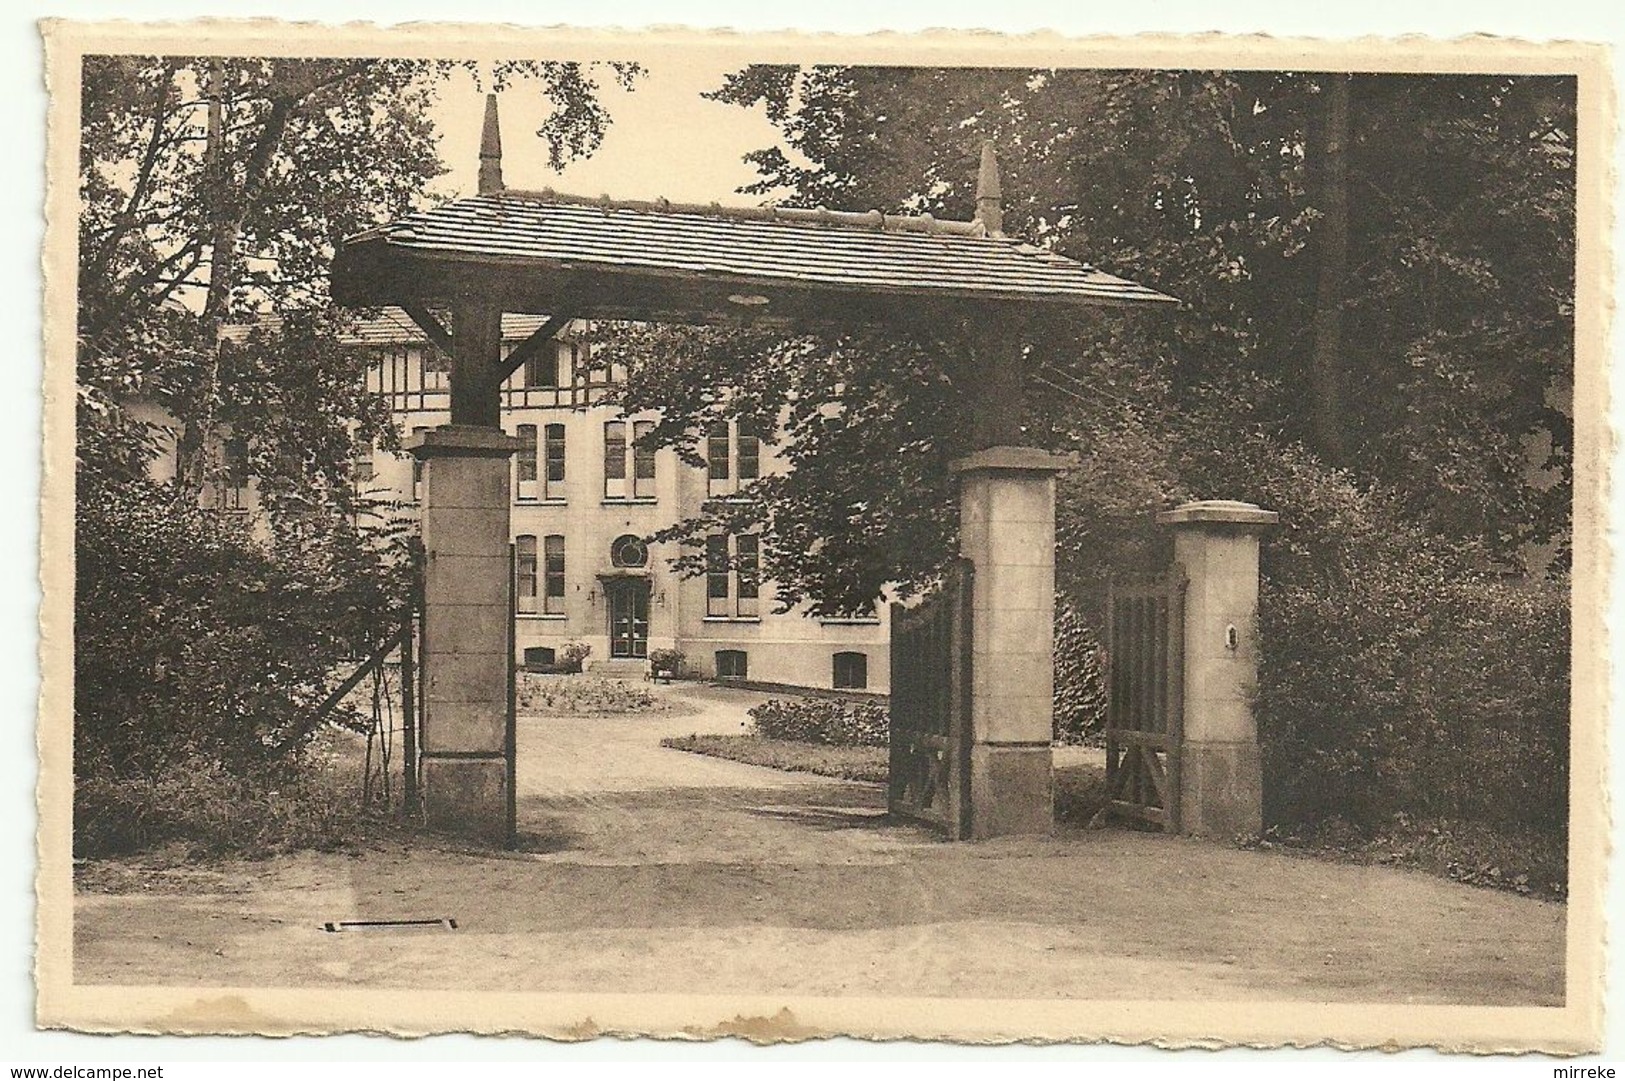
point(645, 869)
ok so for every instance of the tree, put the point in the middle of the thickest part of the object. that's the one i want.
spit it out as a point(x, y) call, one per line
point(213, 190)
point(1397, 295)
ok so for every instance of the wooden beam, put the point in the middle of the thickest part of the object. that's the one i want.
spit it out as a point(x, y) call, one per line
point(430, 326)
point(476, 391)
point(532, 345)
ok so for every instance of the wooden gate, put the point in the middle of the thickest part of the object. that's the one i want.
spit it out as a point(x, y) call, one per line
point(1145, 649)
point(930, 706)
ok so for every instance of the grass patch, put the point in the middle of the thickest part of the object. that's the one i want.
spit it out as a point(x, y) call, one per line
point(1079, 790)
point(847, 763)
point(584, 696)
point(196, 811)
point(1530, 863)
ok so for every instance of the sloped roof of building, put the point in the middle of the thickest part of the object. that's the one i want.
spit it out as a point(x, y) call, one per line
point(630, 259)
point(389, 326)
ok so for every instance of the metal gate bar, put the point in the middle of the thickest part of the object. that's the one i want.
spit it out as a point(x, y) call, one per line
point(1145, 640)
point(929, 775)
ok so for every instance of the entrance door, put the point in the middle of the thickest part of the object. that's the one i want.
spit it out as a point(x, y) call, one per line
point(629, 619)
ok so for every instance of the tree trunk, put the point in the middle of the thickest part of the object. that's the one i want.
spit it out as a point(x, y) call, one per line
point(197, 431)
point(1326, 367)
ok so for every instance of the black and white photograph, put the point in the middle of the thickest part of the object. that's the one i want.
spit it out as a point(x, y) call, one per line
point(950, 537)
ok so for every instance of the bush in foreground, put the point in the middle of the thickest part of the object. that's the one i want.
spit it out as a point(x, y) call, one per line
point(201, 810)
point(193, 639)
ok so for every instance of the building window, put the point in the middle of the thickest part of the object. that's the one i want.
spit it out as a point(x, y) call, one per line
point(747, 572)
point(643, 460)
point(542, 370)
point(731, 664)
point(234, 474)
point(732, 576)
point(615, 459)
point(851, 671)
point(628, 551)
point(436, 367)
point(553, 575)
point(629, 469)
point(525, 462)
point(733, 457)
point(748, 450)
point(524, 569)
point(361, 467)
point(716, 452)
point(417, 471)
point(553, 460)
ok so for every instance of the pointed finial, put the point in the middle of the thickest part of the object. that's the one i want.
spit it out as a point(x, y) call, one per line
point(491, 150)
point(989, 204)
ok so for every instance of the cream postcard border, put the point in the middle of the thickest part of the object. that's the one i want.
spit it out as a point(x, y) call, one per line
point(1572, 1028)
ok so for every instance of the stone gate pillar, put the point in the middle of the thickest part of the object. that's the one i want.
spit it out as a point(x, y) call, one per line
point(1007, 529)
point(1221, 780)
point(464, 742)
point(466, 645)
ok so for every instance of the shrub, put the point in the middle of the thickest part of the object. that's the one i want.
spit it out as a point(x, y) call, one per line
point(1395, 676)
point(583, 696)
point(204, 810)
point(667, 660)
point(195, 640)
point(572, 655)
point(1406, 692)
point(1080, 677)
point(823, 720)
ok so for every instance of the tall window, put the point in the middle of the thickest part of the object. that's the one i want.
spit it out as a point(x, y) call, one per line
point(629, 467)
point(524, 561)
point(234, 474)
point(361, 467)
point(732, 576)
point(733, 456)
point(747, 573)
point(417, 471)
point(643, 461)
point(525, 463)
point(553, 575)
point(716, 452)
point(717, 583)
point(553, 461)
point(615, 459)
point(851, 671)
point(748, 450)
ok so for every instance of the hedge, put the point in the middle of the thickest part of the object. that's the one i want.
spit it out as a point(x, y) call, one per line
point(822, 720)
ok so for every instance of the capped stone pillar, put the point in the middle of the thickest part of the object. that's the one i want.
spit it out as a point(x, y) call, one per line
point(1007, 529)
point(1221, 792)
point(466, 745)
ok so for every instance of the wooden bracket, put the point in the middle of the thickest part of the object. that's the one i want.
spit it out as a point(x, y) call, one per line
point(532, 345)
point(430, 326)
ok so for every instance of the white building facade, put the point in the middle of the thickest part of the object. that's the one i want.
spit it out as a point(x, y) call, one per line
point(585, 500)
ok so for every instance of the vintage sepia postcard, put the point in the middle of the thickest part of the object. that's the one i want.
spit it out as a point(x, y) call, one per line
point(951, 537)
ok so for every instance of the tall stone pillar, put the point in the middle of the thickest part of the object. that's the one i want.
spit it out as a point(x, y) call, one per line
point(1007, 529)
point(466, 647)
point(1221, 778)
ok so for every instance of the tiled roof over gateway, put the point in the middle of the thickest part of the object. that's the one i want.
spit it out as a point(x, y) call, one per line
point(767, 246)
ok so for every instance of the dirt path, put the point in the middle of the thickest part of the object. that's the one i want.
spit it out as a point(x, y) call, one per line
point(649, 869)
